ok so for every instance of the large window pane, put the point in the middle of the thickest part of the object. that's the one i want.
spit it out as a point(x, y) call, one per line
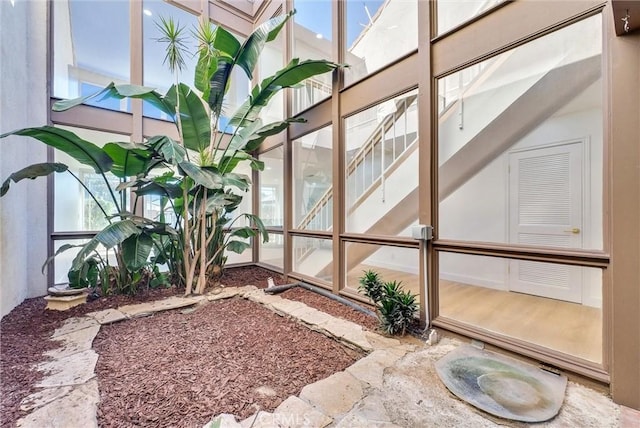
point(312, 181)
point(452, 13)
point(520, 147)
point(313, 257)
point(378, 32)
point(74, 208)
point(391, 263)
point(382, 168)
point(91, 49)
point(312, 33)
point(272, 252)
point(270, 61)
point(63, 262)
point(272, 188)
point(156, 71)
point(552, 305)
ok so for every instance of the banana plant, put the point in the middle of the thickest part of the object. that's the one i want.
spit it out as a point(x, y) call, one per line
point(202, 188)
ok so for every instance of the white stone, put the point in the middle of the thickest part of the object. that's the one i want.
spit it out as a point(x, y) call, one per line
point(369, 412)
point(76, 409)
point(334, 395)
point(74, 324)
point(296, 413)
point(75, 369)
point(370, 369)
point(223, 420)
point(74, 342)
point(42, 397)
point(107, 316)
point(174, 302)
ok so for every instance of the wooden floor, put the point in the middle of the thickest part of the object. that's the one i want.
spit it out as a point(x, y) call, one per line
point(563, 326)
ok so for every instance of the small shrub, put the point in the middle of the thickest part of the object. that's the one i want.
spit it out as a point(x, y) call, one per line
point(396, 307)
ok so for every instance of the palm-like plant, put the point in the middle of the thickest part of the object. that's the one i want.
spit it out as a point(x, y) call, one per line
point(202, 192)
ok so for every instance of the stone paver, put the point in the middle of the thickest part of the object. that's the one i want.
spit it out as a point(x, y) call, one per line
point(298, 413)
point(44, 396)
point(174, 302)
point(74, 324)
point(313, 317)
point(225, 420)
point(222, 293)
point(107, 316)
point(370, 412)
point(74, 342)
point(75, 409)
point(334, 395)
point(370, 369)
point(74, 369)
point(285, 306)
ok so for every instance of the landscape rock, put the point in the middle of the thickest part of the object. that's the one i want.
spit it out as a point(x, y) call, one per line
point(294, 412)
point(42, 397)
point(225, 420)
point(75, 369)
point(74, 324)
point(107, 316)
point(334, 395)
point(74, 342)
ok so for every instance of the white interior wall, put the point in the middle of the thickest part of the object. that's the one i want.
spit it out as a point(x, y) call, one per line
point(23, 102)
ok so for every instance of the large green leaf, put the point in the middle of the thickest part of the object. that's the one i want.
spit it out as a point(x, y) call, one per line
point(294, 73)
point(237, 246)
point(136, 250)
point(249, 53)
point(60, 250)
point(241, 181)
point(219, 84)
point(31, 172)
point(224, 44)
point(194, 119)
point(168, 148)
point(81, 150)
point(244, 232)
point(109, 237)
point(274, 128)
point(119, 92)
point(204, 176)
point(257, 222)
point(129, 159)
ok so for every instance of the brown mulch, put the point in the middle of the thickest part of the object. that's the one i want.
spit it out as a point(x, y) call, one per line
point(207, 362)
point(25, 332)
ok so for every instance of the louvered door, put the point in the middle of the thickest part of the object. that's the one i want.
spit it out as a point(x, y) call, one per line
point(545, 207)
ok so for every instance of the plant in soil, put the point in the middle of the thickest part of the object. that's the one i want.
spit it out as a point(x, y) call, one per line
point(396, 307)
point(193, 176)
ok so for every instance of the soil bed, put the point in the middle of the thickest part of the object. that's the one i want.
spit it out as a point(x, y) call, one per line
point(25, 332)
point(177, 369)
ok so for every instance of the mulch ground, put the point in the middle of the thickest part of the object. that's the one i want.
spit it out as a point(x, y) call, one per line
point(25, 332)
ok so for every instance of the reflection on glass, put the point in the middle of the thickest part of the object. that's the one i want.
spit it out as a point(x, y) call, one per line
point(451, 13)
point(272, 252)
point(312, 40)
point(313, 257)
point(551, 305)
point(391, 263)
point(91, 49)
point(378, 32)
point(270, 61)
point(520, 148)
point(272, 188)
point(382, 168)
point(312, 181)
point(74, 208)
point(156, 71)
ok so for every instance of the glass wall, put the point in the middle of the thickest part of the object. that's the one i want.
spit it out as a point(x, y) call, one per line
point(271, 60)
point(452, 13)
point(272, 188)
point(378, 32)
point(313, 257)
point(399, 264)
point(520, 155)
point(551, 305)
point(536, 180)
point(91, 49)
point(312, 181)
point(272, 252)
point(381, 159)
point(312, 39)
point(74, 208)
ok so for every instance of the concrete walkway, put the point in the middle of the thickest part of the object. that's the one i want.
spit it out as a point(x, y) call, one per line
point(394, 385)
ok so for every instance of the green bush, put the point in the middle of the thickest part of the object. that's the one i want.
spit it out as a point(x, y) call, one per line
point(396, 307)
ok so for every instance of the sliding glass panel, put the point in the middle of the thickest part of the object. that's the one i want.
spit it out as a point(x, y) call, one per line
point(312, 181)
point(381, 158)
point(313, 257)
point(75, 209)
point(156, 70)
point(391, 263)
point(312, 34)
point(520, 149)
point(272, 188)
point(451, 13)
point(91, 49)
point(551, 305)
point(378, 32)
point(272, 252)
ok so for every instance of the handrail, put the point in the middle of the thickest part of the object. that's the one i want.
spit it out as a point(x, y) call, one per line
point(358, 159)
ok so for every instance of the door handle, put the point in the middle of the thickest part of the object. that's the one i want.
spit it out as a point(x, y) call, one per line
point(575, 230)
